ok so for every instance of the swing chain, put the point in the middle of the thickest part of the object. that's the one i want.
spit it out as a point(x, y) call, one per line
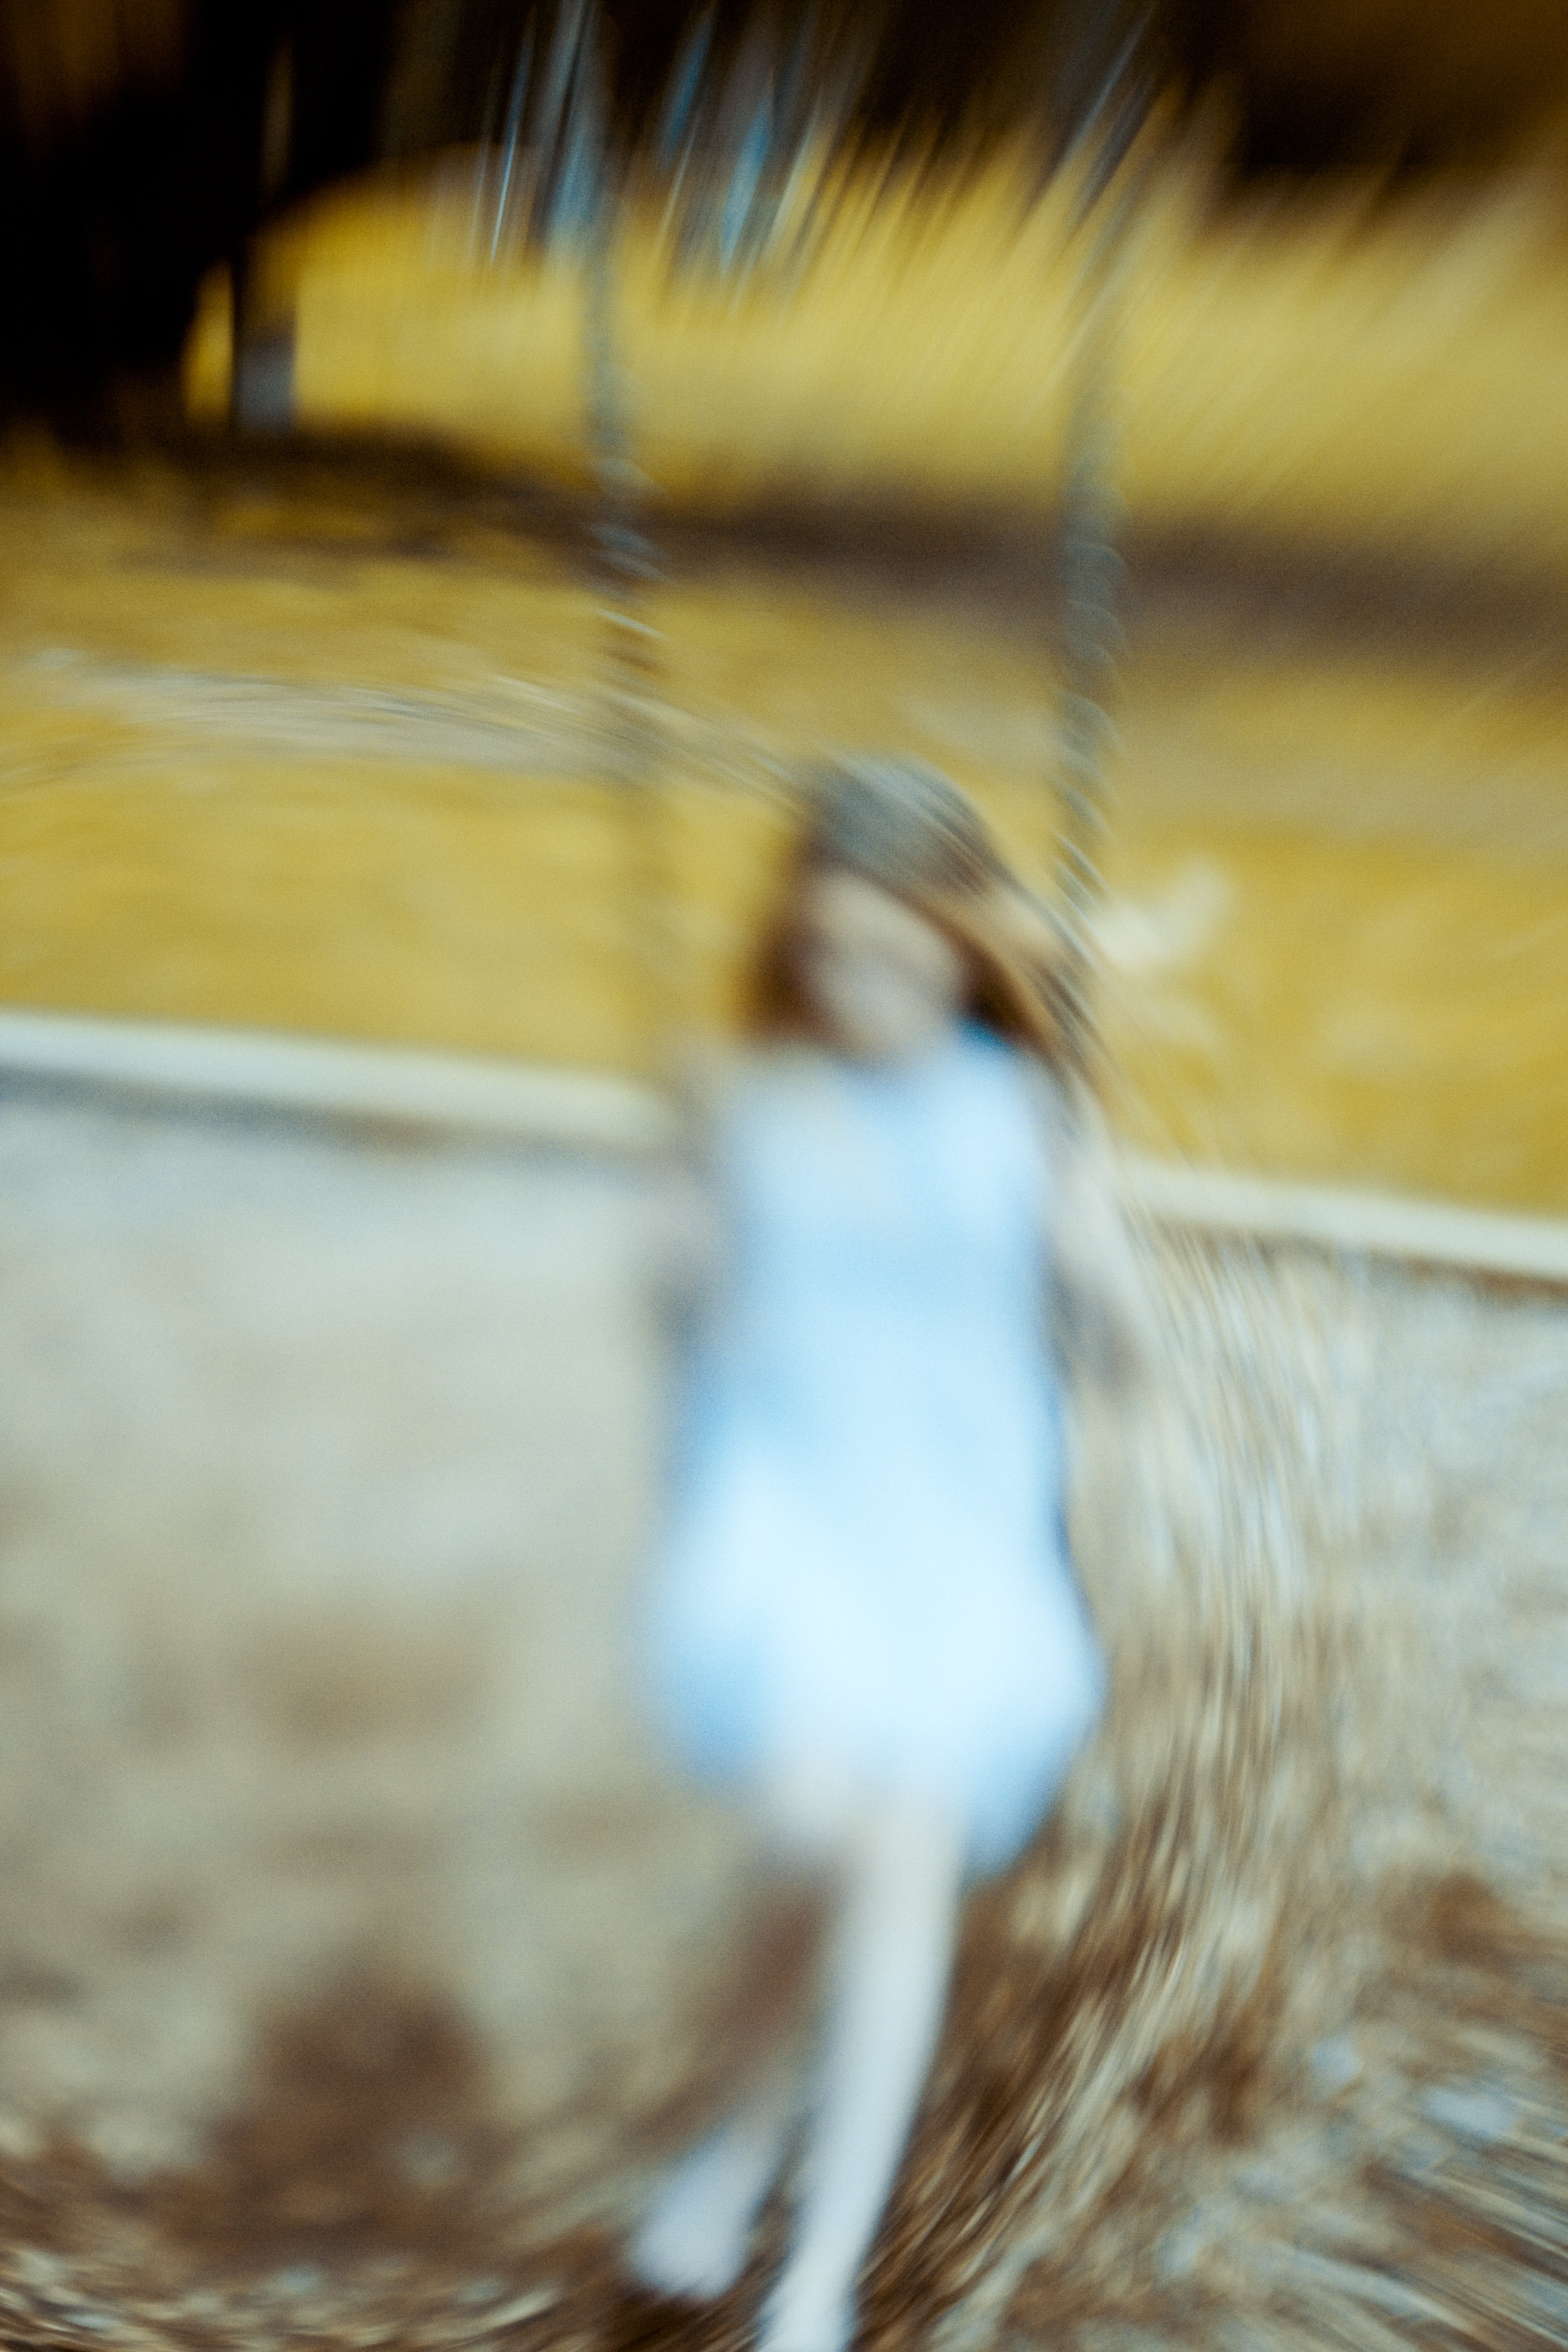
point(624, 566)
point(1110, 177)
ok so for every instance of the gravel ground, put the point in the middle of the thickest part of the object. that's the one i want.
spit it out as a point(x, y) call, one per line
point(360, 1963)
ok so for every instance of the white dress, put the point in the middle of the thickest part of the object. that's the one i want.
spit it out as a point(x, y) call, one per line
point(865, 1563)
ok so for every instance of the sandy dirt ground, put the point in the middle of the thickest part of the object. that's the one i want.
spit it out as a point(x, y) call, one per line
point(360, 1964)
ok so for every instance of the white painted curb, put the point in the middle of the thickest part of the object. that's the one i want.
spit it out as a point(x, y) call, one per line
point(1380, 1224)
point(279, 1072)
point(588, 1111)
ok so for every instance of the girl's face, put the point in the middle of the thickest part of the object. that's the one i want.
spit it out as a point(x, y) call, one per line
point(885, 982)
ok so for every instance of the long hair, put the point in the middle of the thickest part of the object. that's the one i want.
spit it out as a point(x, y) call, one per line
point(905, 827)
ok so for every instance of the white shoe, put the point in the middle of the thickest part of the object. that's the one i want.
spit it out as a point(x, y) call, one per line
point(797, 2319)
point(695, 2240)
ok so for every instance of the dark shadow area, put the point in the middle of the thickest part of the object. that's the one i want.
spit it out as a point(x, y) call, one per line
point(368, 2127)
point(378, 495)
point(120, 187)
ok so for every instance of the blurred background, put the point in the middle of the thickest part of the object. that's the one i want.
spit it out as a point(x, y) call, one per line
point(457, 460)
point(1166, 403)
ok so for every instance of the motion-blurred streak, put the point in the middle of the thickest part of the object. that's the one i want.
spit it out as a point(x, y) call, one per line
point(139, 145)
point(1350, 365)
point(518, 729)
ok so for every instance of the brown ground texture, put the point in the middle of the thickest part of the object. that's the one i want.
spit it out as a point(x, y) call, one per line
point(359, 1965)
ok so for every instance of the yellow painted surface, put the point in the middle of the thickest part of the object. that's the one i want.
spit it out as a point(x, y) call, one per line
point(1336, 945)
point(1387, 1014)
point(257, 767)
point(1390, 369)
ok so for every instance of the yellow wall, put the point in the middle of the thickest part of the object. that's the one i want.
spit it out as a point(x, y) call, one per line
point(1330, 368)
point(256, 766)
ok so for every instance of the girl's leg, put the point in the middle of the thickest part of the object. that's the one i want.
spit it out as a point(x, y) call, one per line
point(696, 2238)
point(694, 2242)
point(888, 1988)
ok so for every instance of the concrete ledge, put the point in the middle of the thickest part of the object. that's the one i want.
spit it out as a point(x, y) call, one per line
point(588, 1111)
point(1380, 1224)
point(316, 1076)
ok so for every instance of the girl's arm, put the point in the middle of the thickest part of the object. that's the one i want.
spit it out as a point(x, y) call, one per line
point(1103, 1313)
point(687, 1234)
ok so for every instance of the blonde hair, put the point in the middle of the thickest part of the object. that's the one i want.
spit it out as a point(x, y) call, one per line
point(907, 828)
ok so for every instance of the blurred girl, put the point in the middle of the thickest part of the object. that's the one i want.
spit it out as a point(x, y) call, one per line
point(864, 1618)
